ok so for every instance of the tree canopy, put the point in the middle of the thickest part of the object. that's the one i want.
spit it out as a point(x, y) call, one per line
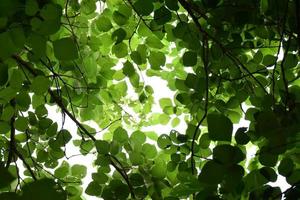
point(225, 61)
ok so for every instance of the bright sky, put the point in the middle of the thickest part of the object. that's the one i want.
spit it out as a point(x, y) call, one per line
point(160, 90)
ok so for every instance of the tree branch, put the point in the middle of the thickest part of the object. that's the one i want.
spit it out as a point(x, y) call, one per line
point(59, 102)
point(205, 62)
point(229, 54)
point(12, 143)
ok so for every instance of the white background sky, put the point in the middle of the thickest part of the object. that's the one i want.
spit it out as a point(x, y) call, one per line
point(160, 91)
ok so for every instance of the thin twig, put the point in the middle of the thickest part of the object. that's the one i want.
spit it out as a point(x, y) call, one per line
point(205, 62)
point(226, 51)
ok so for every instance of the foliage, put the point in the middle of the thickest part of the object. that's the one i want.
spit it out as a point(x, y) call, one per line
point(225, 60)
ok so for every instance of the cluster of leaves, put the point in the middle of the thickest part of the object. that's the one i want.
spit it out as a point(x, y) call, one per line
point(224, 54)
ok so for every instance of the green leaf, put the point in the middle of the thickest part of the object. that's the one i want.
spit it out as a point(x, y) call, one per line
point(23, 101)
point(119, 35)
point(136, 57)
point(268, 158)
point(138, 137)
point(164, 141)
point(6, 177)
point(172, 5)
point(157, 59)
point(51, 11)
point(143, 7)
point(63, 137)
point(136, 179)
point(103, 24)
point(4, 127)
point(119, 18)
point(219, 127)
point(63, 170)
point(21, 123)
point(3, 74)
point(120, 50)
point(43, 189)
point(269, 173)
point(100, 177)
point(159, 170)
point(79, 171)
point(10, 48)
point(40, 85)
point(128, 69)
point(227, 154)
point(93, 189)
point(31, 7)
point(264, 5)
point(291, 61)
point(189, 58)
point(149, 151)
point(136, 158)
point(204, 141)
point(65, 49)
point(154, 42)
point(162, 15)
point(212, 173)
point(120, 135)
point(102, 146)
point(286, 167)
point(241, 137)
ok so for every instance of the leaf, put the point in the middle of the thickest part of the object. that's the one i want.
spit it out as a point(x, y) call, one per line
point(189, 58)
point(40, 85)
point(136, 158)
point(149, 151)
point(93, 189)
point(23, 101)
point(103, 24)
point(136, 57)
point(264, 5)
point(159, 170)
point(102, 146)
point(10, 48)
point(100, 177)
point(119, 18)
point(6, 177)
point(154, 42)
point(65, 49)
point(120, 50)
point(212, 173)
point(227, 154)
point(21, 123)
point(156, 60)
point(269, 173)
point(63, 170)
point(119, 35)
point(51, 11)
point(143, 7)
point(164, 141)
point(138, 137)
point(45, 189)
point(267, 158)
point(136, 179)
point(31, 7)
point(172, 5)
point(241, 137)
point(120, 135)
point(162, 15)
point(3, 74)
point(79, 171)
point(128, 69)
point(286, 167)
point(219, 127)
